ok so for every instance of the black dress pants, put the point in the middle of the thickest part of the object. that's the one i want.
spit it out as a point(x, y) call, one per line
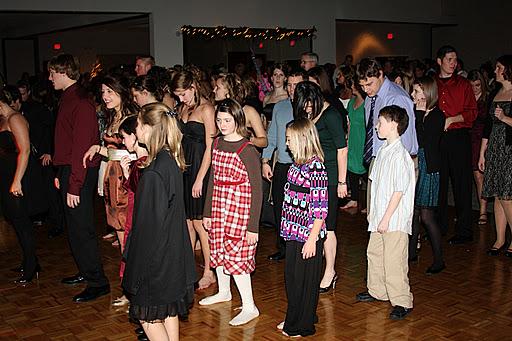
point(15, 211)
point(302, 280)
point(456, 167)
point(81, 229)
point(279, 179)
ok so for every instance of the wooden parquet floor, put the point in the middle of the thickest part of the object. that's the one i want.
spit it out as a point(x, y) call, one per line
point(470, 300)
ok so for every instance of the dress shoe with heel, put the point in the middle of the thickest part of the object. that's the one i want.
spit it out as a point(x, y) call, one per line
point(332, 285)
point(495, 251)
point(92, 293)
point(76, 279)
point(27, 278)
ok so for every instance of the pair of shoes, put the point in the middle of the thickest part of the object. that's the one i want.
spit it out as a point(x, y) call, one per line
point(139, 331)
point(495, 251)
point(92, 293)
point(365, 297)
point(482, 220)
point(457, 240)
point(277, 256)
point(435, 269)
point(508, 253)
point(27, 278)
point(55, 232)
point(76, 279)
point(399, 313)
point(332, 285)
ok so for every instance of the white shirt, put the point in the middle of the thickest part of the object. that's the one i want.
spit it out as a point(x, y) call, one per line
point(393, 171)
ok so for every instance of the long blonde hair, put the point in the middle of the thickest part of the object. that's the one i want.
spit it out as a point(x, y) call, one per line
point(304, 139)
point(165, 133)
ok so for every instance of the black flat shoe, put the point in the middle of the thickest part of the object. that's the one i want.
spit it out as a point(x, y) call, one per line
point(76, 279)
point(277, 256)
point(365, 297)
point(332, 285)
point(142, 337)
point(432, 270)
point(508, 253)
point(139, 331)
point(399, 313)
point(92, 293)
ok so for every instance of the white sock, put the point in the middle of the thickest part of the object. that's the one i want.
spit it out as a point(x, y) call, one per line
point(249, 310)
point(224, 293)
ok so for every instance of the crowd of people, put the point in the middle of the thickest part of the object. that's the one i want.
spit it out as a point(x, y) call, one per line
point(183, 157)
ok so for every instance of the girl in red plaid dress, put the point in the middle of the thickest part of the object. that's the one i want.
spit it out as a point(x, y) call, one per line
point(232, 209)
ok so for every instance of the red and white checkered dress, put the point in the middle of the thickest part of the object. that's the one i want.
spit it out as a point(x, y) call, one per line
point(231, 203)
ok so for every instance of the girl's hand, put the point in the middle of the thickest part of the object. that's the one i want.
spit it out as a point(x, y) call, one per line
point(197, 189)
point(16, 189)
point(252, 238)
point(125, 166)
point(481, 164)
point(309, 248)
point(342, 191)
point(207, 223)
point(90, 154)
point(498, 112)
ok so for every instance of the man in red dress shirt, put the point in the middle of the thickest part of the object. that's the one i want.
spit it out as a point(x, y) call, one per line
point(458, 103)
point(76, 130)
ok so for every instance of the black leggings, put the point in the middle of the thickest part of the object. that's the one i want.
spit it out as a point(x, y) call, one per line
point(353, 180)
point(428, 218)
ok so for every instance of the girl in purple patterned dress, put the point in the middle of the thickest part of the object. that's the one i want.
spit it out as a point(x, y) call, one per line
point(303, 227)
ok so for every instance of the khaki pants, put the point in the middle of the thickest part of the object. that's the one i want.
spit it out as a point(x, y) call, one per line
point(387, 268)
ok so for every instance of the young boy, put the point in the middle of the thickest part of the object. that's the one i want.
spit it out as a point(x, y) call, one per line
point(390, 218)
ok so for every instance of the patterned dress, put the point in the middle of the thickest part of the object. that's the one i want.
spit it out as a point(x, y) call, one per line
point(498, 158)
point(231, 201)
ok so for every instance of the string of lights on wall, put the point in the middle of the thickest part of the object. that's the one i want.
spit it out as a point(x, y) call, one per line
point(223, 32)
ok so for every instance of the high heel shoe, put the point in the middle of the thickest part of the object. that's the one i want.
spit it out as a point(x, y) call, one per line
point(495, 251)
point(26, 279)
point(332, 285)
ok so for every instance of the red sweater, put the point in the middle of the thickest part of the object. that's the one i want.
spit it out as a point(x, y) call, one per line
point(456, 97)
point(76, 130)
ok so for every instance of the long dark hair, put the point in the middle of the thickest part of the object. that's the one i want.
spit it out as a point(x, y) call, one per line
point(120, 85)
point(307, 93)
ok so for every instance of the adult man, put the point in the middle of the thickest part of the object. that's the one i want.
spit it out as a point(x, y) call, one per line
point(381, 93)
point(282, 114)
point(143, 64)
point(75, 131)
point(308, 60)
point(458, 103)
point(24, 89)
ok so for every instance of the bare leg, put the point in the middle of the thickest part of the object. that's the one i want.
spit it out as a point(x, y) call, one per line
point(155, 331)
point(501, 223)
point(330, 259)
point(172, 326)
point(192, 233)
point(208, 276)
point(479, 181)
point(507, 208)
point(120, 237)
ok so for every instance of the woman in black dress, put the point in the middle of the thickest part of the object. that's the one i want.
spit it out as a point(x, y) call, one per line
point(14, 159)
point(160, 271)
point(198, 126)
point(496, 155)
point(278, 93)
